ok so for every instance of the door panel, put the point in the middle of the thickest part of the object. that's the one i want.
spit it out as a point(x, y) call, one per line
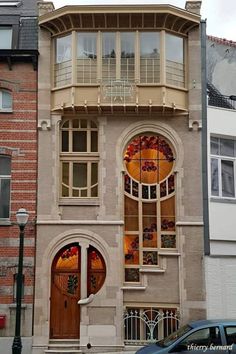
point(65, 314)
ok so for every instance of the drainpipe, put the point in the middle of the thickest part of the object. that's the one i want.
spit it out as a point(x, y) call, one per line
point(204, 142)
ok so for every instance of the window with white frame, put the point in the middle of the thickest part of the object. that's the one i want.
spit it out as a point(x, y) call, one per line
point(5, 37)
point(86, 57)
point(223, 165)
point(150, 57)
point(79, 158)
point(63, 67)
point(5, 101)
point(5, 182)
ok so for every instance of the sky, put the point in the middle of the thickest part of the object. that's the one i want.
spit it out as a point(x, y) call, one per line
point(220, 14)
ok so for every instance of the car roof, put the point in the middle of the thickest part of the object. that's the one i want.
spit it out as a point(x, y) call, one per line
point(203, 323)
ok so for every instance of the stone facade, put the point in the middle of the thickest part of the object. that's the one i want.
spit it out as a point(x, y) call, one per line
point(178, 280)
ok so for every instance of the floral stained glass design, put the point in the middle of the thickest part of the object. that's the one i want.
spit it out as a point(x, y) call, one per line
point(72, 284)
point(149, 185)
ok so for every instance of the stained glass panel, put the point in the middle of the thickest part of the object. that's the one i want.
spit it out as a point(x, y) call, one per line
point(168, 241)
point(68, 258)
point(149, 258)
point(132, 274)
point(131, 249)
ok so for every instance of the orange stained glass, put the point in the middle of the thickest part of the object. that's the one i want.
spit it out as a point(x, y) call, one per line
point(68, 258)
point(149, 159)
point(168, 214)
point(131, 249)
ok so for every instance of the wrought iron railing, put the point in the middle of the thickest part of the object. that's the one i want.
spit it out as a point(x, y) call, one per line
point(222, 101)
point(148, 325)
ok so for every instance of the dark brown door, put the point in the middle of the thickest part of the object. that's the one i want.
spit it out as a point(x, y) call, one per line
point(65, 293)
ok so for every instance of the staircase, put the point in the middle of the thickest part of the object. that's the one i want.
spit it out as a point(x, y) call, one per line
point(63, 346)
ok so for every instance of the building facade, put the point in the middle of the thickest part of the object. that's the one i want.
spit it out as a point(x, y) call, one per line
point(18, 161)
point(119, 218)
point(221, 260)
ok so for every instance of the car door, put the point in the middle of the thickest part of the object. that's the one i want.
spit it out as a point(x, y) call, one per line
point(230, 335)
point(204, 340)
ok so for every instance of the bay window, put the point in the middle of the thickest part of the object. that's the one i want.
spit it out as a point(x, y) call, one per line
point(140, 56)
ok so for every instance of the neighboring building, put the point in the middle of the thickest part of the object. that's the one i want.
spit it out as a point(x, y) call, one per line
point(119, 218)
point(221, 64)
point(221, 261)
point(18, 161)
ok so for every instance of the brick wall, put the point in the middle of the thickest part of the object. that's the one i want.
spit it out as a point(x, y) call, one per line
point(18, 138)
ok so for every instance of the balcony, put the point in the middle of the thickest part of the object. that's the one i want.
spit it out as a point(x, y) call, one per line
point(118, 96)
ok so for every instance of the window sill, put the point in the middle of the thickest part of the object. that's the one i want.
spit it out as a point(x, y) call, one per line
point(151, 270)
point(6, 111)
point(223, 200)
point(13, 306)
point(5, 223)
point(77, 201)
point(133, 287)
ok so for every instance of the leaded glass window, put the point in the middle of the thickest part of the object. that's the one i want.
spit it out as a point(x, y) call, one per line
point(5, 184)
point(149, 203)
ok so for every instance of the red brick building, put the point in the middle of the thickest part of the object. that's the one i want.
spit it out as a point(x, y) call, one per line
point(18, 161)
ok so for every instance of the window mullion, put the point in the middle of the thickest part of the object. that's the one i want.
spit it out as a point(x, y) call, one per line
point(162, 59)
point(220, 177)
point(118, 55)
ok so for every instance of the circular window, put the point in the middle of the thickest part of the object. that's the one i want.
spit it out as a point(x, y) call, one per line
point(149, 159)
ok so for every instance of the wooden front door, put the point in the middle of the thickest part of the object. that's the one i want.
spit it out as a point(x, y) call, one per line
point(65, 293)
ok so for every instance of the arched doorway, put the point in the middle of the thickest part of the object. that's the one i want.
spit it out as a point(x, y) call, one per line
point(66, 288)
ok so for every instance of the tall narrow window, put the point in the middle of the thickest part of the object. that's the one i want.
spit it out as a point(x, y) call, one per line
point(63, 69)
point(175, 60)
point(149, 57)
point(86, 57)
point(108, 56)
point(79, 158)
point(127, 56)
point(149, 203)
point(5, 180)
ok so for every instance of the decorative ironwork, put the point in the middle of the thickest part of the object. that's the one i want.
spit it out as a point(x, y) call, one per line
point(149, 325)
point(72, 284)
point(118, 91)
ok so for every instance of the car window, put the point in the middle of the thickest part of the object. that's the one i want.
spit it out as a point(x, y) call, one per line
point(205, 336)
point(230, 333)
point(174, 336)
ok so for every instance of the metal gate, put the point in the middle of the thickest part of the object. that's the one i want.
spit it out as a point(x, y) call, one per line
point(149, 325)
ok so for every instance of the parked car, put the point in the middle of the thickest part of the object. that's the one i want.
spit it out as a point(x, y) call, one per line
point(206, 336)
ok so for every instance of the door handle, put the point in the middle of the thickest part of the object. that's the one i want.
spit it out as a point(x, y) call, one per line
point(65, 304)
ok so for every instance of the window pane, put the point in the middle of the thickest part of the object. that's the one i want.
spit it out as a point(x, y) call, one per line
point(174, 60)
point(65, 173)
point(226, 147)
point(227, 175)
point(4, 198)
point(63, 49)
point(79, 141)
point(5, 165)
point(214, 146)
point(230, 335)
point(80, 175)
point(87, 57)
point(65, 141)
point(94, 175)
point(131, 249)
point(6, 100)
point(149, 258)
point(174, 48)
point(108, 56)
point(132, 274)
point(149, 57)
point(214, 177)
point(5, 37)
point(94, 141)
point(87, 45)
point(127, 56)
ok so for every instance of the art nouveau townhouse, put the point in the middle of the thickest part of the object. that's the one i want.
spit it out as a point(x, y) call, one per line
point(18, 161)
point(221, 258)
point(120, 231)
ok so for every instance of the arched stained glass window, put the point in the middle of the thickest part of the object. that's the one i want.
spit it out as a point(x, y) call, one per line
point(149, 203)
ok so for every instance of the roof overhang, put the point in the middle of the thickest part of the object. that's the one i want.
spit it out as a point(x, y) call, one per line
point(128, 17)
